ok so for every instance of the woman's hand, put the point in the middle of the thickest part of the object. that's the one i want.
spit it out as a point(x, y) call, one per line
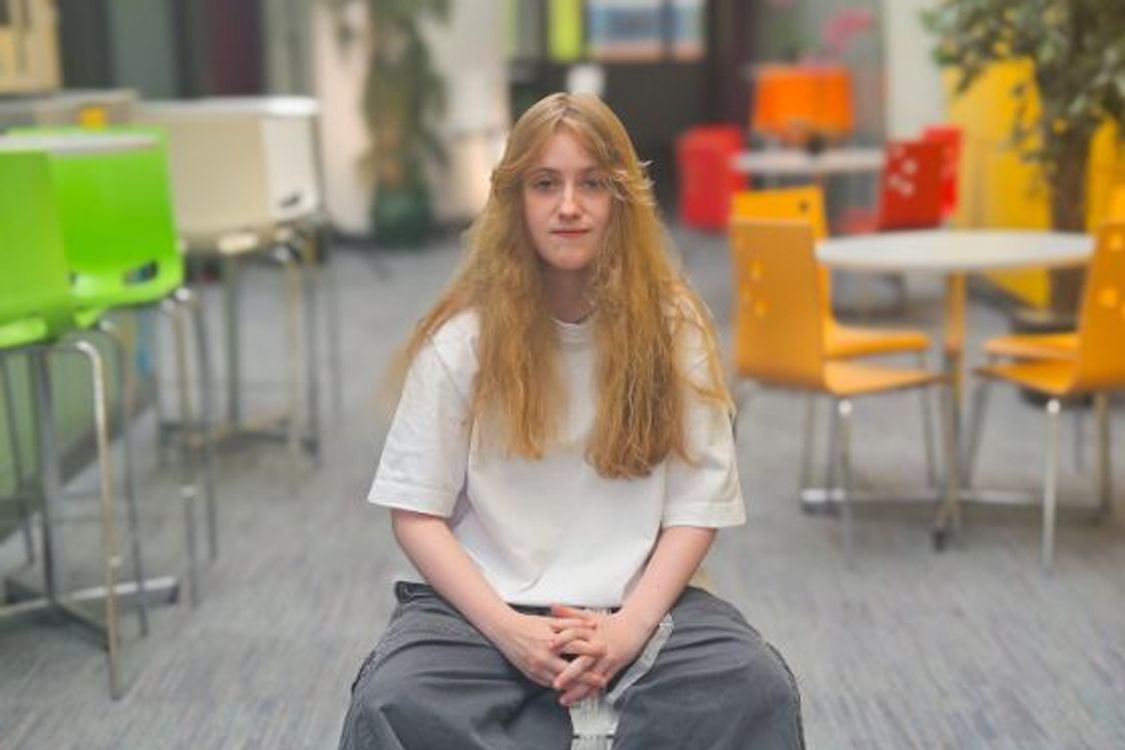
point(536, 647)
point(618, 636)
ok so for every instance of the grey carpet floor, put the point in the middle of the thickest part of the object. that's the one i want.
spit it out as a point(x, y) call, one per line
point(905, 648)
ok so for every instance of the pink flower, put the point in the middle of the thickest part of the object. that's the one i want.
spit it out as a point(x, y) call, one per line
point(842, 26)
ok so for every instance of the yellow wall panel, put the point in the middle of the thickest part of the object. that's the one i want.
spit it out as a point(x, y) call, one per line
point(997, 189)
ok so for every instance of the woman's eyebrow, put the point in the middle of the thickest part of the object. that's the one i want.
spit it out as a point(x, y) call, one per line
point(555, 170)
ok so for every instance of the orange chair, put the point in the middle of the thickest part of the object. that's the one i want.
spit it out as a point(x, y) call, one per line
point(779, 339)
point(1097, 368)
point(840, 341)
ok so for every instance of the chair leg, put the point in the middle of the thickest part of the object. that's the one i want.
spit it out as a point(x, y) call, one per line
point(293, 302)
point(1050, 484)
point(1078, 421)
point(151, 317)
point(17, 462)
point(949, 515)
point(125, 357)
point(808, 441)
point(110, 554)
point(844, 412)
point(188, 489)
point(311, 286)
point(1105, 467)
point(927, 427)
point(206, 414)
point(976, 427)
point(833, 449)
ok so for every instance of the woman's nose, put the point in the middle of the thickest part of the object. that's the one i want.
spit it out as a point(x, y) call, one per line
point(569, 204)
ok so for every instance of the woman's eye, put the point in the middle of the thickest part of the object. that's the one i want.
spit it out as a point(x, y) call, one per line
point(593, 183)
point(543, 183)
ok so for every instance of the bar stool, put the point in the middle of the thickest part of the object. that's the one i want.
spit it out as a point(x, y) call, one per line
point(245, 187)
point(36, 311)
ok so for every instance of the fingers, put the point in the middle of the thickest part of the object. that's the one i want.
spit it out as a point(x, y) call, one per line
point(572, 672)
point(578, 692)
point(569, 635)
point(563, 611)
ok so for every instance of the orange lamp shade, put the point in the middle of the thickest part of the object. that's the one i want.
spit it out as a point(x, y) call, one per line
point(793, 102)
point(835, 115)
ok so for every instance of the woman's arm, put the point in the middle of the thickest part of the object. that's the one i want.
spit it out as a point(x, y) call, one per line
point(527, 641)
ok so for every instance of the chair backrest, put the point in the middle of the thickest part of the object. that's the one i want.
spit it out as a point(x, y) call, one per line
point(950, 137)
point(805, 203)
point(910, 186)
point(778, 328)
point(1101, 321)
point(115, 204)
point(33, 283)
point(1117, 204)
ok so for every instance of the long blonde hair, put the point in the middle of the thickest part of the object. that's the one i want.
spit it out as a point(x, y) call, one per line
point(640, 305)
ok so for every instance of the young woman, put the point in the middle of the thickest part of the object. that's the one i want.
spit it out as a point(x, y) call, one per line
point(556, 470)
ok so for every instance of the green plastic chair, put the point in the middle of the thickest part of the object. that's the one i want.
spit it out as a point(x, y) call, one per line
point(115, 205)
point(36, 312)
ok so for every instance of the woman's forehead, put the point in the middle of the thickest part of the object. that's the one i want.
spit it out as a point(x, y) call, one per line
point(564, 149)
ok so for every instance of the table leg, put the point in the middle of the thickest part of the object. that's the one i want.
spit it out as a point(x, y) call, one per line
point(230, 315)
point(953, 347)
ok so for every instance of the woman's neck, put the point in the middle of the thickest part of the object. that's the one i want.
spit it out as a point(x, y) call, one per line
point(566, 296)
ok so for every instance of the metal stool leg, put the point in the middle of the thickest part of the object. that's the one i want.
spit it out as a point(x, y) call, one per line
point(17, 462)
point(949, 514)
point(206, 415)
point(285, 255)
point(188, 489)
point(110, 554)
point(313, 279)
point(125, 356)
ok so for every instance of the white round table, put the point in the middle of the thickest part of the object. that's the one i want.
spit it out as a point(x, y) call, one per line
point(792, 162)
point(955, 253)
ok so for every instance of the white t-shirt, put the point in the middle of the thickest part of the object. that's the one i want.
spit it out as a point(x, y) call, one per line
point(548, 530)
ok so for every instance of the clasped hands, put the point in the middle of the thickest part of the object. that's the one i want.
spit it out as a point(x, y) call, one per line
point(574, 651)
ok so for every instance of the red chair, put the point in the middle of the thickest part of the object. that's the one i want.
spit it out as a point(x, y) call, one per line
point(706, 180)
point(951, 138)
point(909, 191)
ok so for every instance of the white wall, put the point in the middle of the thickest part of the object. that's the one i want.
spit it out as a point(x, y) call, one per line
point(338, 76)
point(914, 93)
point(468, 53)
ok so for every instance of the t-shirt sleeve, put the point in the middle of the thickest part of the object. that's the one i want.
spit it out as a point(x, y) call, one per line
point(422, 467)
point(704, 491)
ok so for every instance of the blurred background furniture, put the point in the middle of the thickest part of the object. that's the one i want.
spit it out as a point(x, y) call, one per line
point(1095, 366)
point(780, 341)
point(246, 186)
point(955, 254)
point(841, 341)
point(36, 311)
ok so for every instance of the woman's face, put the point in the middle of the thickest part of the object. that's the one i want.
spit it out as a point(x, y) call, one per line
point(567, 205)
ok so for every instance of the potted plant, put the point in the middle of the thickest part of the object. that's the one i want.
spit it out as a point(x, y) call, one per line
point(1078, 51)
point(403, 98)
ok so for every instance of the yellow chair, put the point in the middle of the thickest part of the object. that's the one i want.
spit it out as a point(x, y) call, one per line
point(1049, 345)
point(806, 203)
point(780, 338)
point(1097, 368)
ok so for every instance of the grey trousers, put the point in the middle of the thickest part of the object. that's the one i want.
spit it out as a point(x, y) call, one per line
point(433, 682)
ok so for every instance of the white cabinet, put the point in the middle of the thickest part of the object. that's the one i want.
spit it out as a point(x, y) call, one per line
point(239, 164)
